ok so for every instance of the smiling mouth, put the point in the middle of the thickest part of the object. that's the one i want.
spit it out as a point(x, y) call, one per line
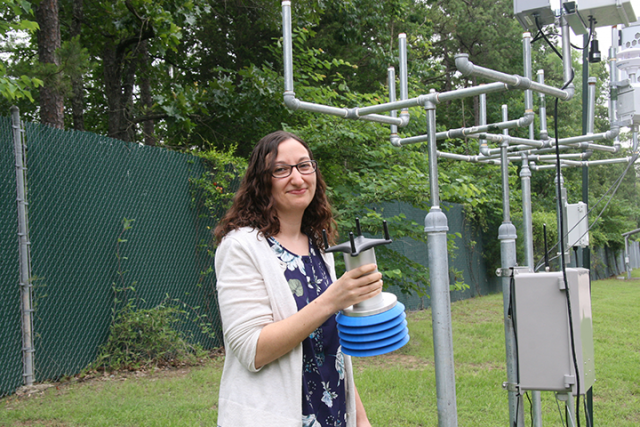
point(298, 191)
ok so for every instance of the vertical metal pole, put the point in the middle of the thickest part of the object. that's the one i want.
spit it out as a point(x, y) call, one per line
point(287, 47)
point(543, 109)
point(561, 198)
point(436, 227)
point(626, 257)
point(567, 69)
point(402, 68)
point(25, 267)
point(591, 107)
point(525, 178)
point(391, 79)
point(483, 121)
point(507, 235)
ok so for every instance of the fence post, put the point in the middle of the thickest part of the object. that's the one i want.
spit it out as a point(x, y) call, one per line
point(24, 252)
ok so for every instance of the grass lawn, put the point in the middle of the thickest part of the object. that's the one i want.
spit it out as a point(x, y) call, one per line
point(398, 389)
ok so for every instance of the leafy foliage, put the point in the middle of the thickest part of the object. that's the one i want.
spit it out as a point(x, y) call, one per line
point(144, 338)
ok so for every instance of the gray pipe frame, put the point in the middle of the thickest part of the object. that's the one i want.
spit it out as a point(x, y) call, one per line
point(26, 308)
point(467, 68)
point(581, 141)
point(507, 235)
point(436, 227)
point(436, 98)
point(295, 104)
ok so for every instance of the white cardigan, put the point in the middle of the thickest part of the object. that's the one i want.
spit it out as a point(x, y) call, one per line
point(253, 292)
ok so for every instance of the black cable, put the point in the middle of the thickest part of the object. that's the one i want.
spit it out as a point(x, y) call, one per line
point(530, 407)
point(544, 36)
point(562, 263)
point(588, 39)
point(562, 419)
point(614, 187)
point(511, 315)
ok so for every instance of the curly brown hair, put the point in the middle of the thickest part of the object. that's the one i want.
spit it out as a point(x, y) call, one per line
point(253, 204)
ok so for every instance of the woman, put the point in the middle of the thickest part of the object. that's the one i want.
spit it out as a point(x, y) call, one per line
point(278, 295)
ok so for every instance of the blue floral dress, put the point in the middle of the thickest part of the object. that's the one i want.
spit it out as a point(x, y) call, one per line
point(323, 386)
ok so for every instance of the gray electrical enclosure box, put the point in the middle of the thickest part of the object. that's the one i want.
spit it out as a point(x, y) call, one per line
point(607, 12)
point(578, 225)
point(545, 360)
point(526, 11)
point(628, 103)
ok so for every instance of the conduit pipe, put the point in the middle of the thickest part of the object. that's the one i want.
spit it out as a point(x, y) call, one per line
point(581, 141)
point(567, 69)
point(467, 68)
point(295, 104)
point(543, 109)
point(391, 81)
point(571, 163)
point(613, 80)
point(483, 146)
point(436, 98)
point(471, 159)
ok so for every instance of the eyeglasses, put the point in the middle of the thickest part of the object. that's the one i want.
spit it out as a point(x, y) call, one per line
point(305, 168)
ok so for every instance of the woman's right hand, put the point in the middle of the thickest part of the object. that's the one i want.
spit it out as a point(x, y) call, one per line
point(354, 286)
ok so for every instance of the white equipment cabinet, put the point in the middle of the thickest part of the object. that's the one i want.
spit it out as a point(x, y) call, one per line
point(545, 360)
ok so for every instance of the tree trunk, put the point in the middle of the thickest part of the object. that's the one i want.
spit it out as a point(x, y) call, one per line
point(113, 90)
point(51, 100)
point(148, 128)
point(77, 83)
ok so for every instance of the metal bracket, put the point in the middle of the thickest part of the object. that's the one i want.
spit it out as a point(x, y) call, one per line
point(511, 387)
point(503, 272)
point(561, 285)
point(569, 381)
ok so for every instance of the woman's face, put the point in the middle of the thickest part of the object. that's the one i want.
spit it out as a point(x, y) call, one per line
point(294, 193)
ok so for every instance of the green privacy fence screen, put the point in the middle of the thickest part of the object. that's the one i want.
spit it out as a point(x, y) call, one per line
point(80, 189)
point(10, 329)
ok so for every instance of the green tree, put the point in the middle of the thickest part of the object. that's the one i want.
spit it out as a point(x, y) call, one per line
point(15, 16)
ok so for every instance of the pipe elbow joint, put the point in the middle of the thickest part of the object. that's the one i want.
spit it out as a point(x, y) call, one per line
point(395, 140)
point(290, 101)
point(404, 117)
point(484, 149)
point(526, 120)
point(463, 64)
point(612, 133)
point(571, 91)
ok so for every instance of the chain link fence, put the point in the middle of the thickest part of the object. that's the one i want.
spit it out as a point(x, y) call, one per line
point(10, 327)
point(81, 187)
point(81, 190)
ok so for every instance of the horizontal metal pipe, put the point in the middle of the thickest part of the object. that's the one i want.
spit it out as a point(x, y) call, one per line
point(467, 68)
point(508, 139)
point(433, 97)
point(462, 132)
point(571, 163)
point(347, 113)
point(472, 159)
point(397, 105)
point(471, 91)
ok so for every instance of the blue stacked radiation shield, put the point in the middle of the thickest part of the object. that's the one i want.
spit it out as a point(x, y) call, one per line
point(375, 326)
